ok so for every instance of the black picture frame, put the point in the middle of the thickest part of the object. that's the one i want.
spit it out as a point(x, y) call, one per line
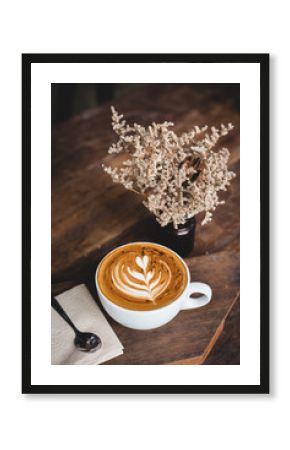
point(263, 61)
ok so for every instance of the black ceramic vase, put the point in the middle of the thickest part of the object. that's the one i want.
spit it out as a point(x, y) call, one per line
point(180, 239)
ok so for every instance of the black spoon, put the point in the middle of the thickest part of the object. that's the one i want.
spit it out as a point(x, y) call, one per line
point(88, 342)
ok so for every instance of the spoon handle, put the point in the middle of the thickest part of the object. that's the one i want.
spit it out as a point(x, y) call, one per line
point(62, 313)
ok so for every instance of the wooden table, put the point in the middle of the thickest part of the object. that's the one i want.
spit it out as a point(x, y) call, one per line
point(91, 215)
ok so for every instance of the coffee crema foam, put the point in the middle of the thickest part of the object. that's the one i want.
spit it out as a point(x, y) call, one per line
point(142, 276)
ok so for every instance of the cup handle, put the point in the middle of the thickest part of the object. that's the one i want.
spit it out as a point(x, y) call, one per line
point(203, 300)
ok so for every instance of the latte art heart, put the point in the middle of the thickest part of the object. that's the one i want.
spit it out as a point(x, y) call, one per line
point(142, 276)
point(143, 283)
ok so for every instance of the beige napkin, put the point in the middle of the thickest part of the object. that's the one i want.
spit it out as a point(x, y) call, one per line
point(87, 316)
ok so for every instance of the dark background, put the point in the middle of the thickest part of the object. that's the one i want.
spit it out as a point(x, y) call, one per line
point(68, 100)
point(77, 145)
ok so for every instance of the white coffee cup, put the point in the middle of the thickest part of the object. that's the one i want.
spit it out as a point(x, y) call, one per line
point(146, 320)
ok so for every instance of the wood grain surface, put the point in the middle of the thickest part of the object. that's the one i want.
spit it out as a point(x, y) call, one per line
point(91, 215)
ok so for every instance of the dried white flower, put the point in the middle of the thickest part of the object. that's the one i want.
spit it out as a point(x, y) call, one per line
point(179, 176)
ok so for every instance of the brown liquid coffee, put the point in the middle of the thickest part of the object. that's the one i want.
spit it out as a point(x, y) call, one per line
point(142, 276)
